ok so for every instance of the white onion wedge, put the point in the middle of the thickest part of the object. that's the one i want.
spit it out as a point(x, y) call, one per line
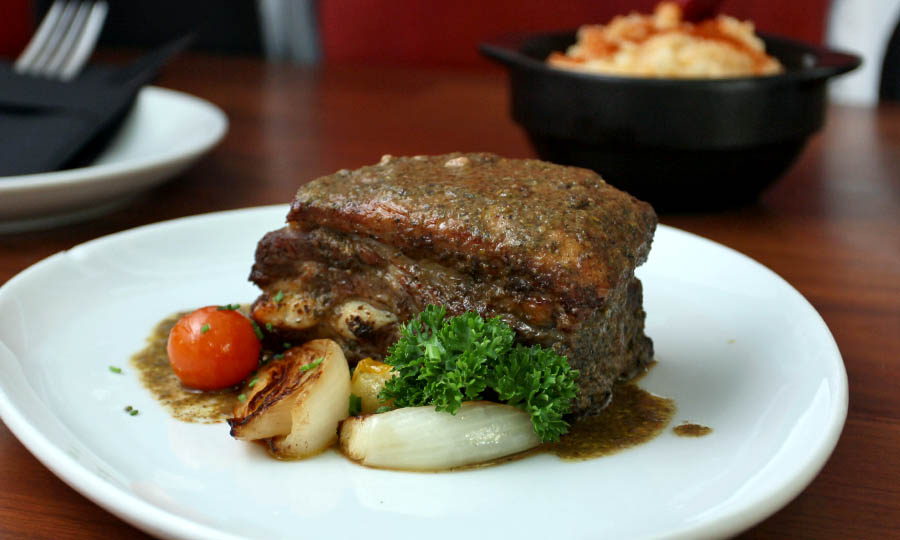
point(422, 439)
point(295, 406)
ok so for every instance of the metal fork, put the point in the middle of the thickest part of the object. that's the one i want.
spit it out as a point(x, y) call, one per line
point(64, 40)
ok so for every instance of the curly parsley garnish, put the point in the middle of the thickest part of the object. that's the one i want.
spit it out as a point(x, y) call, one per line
point(443, 362)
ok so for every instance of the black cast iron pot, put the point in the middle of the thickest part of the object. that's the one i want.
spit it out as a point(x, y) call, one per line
point(679, 144)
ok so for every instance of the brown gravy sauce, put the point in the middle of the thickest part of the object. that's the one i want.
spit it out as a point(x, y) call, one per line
point(691, 430)
point(633, 417)
point(185, 404)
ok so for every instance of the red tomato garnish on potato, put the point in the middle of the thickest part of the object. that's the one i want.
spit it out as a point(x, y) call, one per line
point(213, 348)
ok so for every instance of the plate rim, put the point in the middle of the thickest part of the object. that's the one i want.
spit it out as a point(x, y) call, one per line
point(789, 488)
point(160, 522)
point(93, 173)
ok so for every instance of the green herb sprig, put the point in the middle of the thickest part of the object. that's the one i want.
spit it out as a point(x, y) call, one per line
point(257, 330)
point(312, 365)
point(443, 362)
point(355, 405)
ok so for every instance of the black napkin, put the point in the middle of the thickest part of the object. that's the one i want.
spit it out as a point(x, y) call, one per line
point(46, 125)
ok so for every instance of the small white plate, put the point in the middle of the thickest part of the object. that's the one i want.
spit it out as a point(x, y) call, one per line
point(738, 349)
point(165, 132)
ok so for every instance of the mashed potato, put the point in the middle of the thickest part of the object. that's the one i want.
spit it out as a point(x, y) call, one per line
point(663, 45)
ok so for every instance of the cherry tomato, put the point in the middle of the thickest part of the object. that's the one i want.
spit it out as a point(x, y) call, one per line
point(213, 348)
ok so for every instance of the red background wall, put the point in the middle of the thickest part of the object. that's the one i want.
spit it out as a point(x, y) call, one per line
point(15, 26)
point(448, 33)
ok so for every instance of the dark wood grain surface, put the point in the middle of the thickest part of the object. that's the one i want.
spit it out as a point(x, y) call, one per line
point(830, 227)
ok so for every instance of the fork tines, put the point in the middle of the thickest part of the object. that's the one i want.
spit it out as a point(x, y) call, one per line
point(64, 40)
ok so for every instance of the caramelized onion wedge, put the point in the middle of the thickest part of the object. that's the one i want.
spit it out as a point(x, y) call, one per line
point(297, 401)
point(422, 439)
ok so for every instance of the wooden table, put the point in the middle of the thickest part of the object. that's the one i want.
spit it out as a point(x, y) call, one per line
point(830, 227)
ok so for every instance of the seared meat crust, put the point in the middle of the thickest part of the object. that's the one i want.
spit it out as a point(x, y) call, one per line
point(549, 249)
point(543, 226)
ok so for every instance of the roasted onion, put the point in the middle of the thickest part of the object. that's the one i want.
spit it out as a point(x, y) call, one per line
point(420, 438)
point(297, 401)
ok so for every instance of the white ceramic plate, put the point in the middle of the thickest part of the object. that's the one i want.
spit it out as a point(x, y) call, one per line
point(164, 133)
point(738, 348)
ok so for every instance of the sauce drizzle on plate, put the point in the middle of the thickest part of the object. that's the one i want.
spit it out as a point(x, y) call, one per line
point(634, 416)
point(185, 404)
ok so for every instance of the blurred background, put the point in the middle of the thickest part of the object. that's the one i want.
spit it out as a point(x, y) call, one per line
point(446, 34)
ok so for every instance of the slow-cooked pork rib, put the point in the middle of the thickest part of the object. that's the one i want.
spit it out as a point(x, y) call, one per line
point(549, 249)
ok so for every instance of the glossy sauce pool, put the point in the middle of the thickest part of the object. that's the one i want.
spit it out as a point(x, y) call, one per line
point(633, 417)
point(185, 404)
